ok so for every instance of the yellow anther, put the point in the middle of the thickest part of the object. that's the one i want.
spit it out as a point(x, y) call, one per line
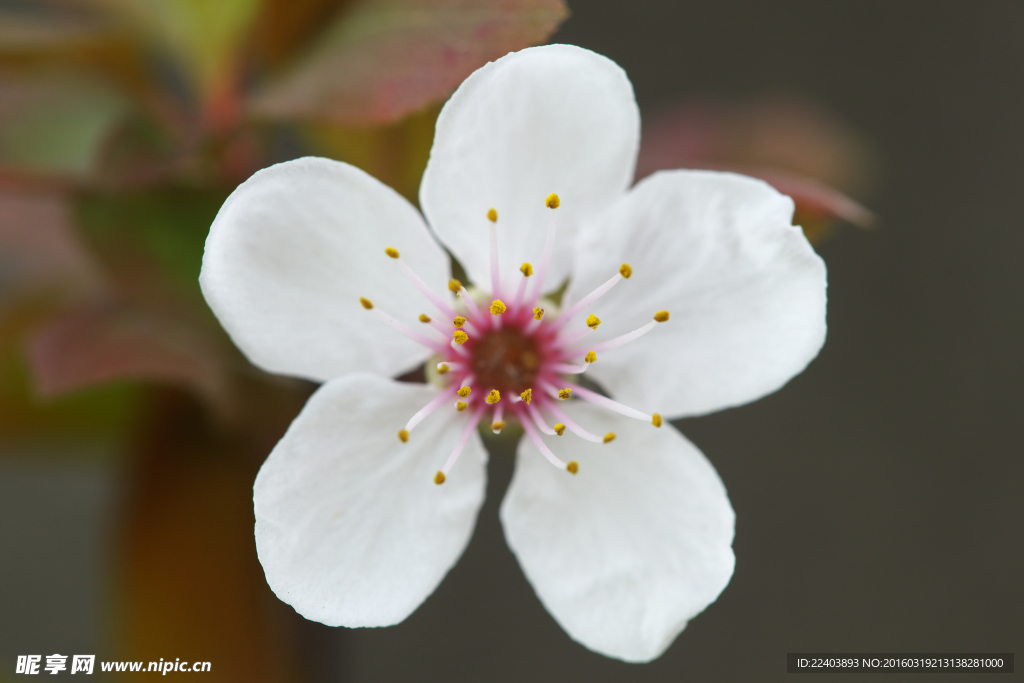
point(460, 337)
point(367, 304)
point(496, 427)
point(493, 397)
point(564, 393)
point(527, 395)
point(392, 252)
point(591, 357)
point(459, 321)
point(656, 420)
point(538, 313)
point(573, 467)
point(463, 392)
point(497, 307)
point(661, 316)
point(424, 318)
point(461, 405)
point(625, 270)
point(492, 215)
point(559, 429)
point(454, 285)
point(609, 437)
point(439, 478)
point(552, 201)
point(526, 269)
point(403, 435)
point(443, 368)
point(593, 321)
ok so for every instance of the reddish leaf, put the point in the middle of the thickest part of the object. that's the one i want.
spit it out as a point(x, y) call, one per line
point(95, 344)
point(386, 58)
point(39, 248)
point(798, 148)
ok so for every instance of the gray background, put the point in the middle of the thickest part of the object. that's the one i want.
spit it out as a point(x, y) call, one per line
point(878, 494)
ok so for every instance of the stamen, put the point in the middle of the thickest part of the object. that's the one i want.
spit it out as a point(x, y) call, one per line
point(661, 316)
point(521, 289)
point(630, 336)
point(367, 304)
point(493, 397)
point(573, 467)
point(498, 307)
point(424, 318)
point(609, 437)
point(403, 435)
point(538, 313)
point(552, 202)
point(439, 303)
point(605, 402)
point(392, 252)
point(497, 423)
point(559, 429)
point(564, 394)
point(460, 337)
point(539, 421)
point(443, 368)
point(461, 405)
point(495, 271)
point(492, 215)
point(565, 369)
point(459, 321)
point(461, 444)
point(526, 396)
point(439, 478)
point(470, 304)
point(415, 336)
point(454, 285)
point(464, 391)
point(587, 300)
point(593, 321)
point(656, 420)
point(625, 270)
point(573, 427)
point(541, 446)
point(424, 412)
point(441, 327)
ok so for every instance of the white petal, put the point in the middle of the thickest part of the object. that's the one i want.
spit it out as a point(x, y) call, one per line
point(744, 288)
point(547, 119)
point(350, 527)
point(624, 553)
point(293, 249)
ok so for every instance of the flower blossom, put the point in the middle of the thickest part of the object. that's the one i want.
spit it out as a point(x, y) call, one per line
point(687, 293)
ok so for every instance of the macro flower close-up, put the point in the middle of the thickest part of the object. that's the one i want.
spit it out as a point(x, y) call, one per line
point(687, 293)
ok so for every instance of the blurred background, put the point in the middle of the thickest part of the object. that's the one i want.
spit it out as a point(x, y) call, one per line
point(877, 495)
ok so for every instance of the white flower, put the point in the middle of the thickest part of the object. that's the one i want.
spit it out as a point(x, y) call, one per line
point(350, 526)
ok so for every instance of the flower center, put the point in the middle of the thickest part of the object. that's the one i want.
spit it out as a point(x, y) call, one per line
point(507, 360)
point(511, 358)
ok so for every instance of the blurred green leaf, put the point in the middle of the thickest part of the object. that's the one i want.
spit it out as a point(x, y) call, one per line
point(55, 123)
point(383, 59)
point(152, 240)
